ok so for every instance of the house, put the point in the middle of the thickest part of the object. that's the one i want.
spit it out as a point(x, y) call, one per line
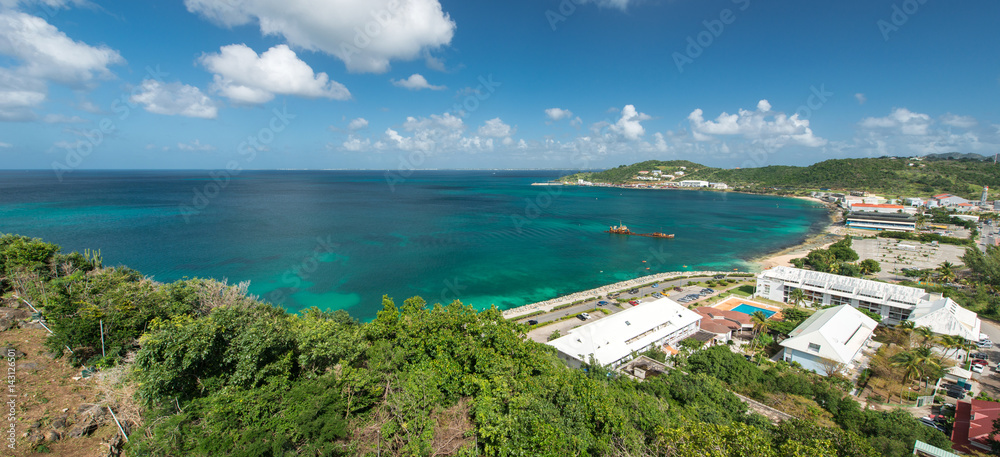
point(678, 173)
point(719, 185)
point(893, 302)
point(949, 200)
point(830, 340)
point(974, 425)
point(916, 201)
point(722, 324)
point(612, 340)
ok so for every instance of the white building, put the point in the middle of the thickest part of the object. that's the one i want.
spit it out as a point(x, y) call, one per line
point(945, 317)
point(829, 340)
point(916, 201)
point(719, 185)
point(611, 340)
point(694, 183)
point(893, 302)
point(884, 208)
point(896, 222)
point(678, 173)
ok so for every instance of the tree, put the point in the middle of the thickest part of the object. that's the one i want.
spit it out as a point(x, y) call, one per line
point(945, 271)
point(796, 296)
point(869, 266)
point(555, 335)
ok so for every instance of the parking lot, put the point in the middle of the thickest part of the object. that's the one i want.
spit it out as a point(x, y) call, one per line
point(640, 295)
point(894, 255)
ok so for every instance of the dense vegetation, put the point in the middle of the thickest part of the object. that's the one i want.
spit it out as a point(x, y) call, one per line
point(839, 259)
point(218, 373)
point(886, 175)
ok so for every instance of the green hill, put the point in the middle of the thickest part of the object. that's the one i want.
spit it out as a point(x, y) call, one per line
point(887, 175)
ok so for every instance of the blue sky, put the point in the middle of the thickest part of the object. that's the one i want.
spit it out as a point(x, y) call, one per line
point(389, 84)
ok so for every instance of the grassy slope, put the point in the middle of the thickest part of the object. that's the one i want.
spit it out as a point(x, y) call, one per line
point(882, 175)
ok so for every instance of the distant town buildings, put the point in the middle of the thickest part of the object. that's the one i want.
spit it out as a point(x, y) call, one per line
point(893, 302)
point(694, 183)
point(612, 339)
point(898, 222)
point(830, 340)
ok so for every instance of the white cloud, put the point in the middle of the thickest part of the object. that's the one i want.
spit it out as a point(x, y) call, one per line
point(174, 99)
point(63, 119)
point(557, 114)
point(617, 4)
point(358, 124)
point(19, 95)
point(5, 145)
point(955, 120)
point(415, 82)
point(195, 146)
point(355, 144)
point(861, 98)
point(244, 77)
point(774, 129)
point(901, 120)
point(495, 128)
point(364, 34)
point(45, 52)
point(53, 4)
point(630, 124)
point(576, 122)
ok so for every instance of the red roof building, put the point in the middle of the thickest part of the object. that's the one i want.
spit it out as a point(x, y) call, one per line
point(974, 425)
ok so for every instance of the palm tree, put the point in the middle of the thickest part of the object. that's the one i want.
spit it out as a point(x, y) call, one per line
point(945, 271)
point(927, 361)
point(904, 329)
point(925, 334)
point(949, 342)
point(760, 324)
point(909, 362)
point(796, 296)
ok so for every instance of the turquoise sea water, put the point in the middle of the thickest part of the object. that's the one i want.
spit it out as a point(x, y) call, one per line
point(342, 239)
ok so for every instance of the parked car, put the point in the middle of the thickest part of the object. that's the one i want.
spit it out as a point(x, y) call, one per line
point(980, 362)
point(956, 393)
point(583, 316)
point(678, 288)
point(656, 285)
point(658, 295)
point(633, 302)
point(532, 322)
point(633, 291)
point(602, 303)
point(720, 276)
point(976, 368)
point(980, 355)
point(985, 344)
point(931, 423)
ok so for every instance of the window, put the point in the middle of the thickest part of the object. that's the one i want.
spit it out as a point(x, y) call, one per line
point(837, 300)
point(814, 347)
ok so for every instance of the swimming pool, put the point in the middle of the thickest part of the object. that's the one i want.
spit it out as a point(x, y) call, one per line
point(747, 309)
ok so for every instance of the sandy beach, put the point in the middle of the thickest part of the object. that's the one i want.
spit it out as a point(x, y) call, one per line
point(831, 234)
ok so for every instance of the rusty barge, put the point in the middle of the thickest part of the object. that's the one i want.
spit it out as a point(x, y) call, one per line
point(621, 229)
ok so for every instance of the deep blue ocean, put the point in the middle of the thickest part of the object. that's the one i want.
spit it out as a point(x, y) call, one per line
point(342, 239)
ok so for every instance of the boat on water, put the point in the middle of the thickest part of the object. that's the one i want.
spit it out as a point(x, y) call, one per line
point(621, 229)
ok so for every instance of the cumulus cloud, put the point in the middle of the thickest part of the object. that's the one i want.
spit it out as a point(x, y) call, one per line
point(558, 114)
point(47, 53)
point(629, 125)
point(358, 124)
point(415, 82)
point(244, 77)
point(495, 128)
point(5, 145)
point(19, 95)
point(355, 144)
point(174, 99)
point(774, 129)
point(617, 4)
point(861, 98)
point(365, 34)
point(195, 146)
point(955, 120)
point(901, 120)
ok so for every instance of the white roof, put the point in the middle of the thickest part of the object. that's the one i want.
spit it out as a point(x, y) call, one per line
point(613, 337)
point(839, 332)
point(866, 289)
point(945, 317)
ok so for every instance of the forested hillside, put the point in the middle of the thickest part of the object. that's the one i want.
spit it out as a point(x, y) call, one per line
point(891, 176)
point(205, 370)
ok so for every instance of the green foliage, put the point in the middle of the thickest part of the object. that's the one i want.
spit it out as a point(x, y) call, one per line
point(888, 175)
point(927, 238)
